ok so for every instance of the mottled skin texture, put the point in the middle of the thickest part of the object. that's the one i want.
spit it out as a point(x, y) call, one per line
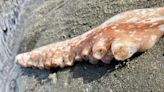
point(119, 37)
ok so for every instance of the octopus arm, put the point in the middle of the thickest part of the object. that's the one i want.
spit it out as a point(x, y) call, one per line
point(119, 37)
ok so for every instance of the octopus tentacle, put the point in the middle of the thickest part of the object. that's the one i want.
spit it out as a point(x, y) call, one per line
point(119, 37)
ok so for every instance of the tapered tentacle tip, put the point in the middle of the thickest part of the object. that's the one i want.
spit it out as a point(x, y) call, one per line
point(18, 58)
point(22, 59)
